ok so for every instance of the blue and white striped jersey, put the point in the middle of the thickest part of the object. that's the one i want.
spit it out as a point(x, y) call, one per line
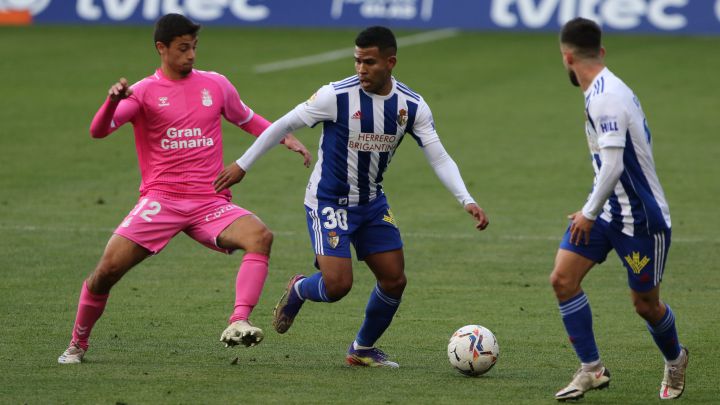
point(361, 132)
point(615, 118)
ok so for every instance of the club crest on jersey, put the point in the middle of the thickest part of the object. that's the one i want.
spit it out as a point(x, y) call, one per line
point(402, 117)
point(206, 98)
point(163, 102)
point(333, 239)
point(635, 263)
point(357, 115)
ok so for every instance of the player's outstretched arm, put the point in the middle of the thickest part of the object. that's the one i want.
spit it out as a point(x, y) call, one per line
point(258, 124)
point(447, 171)
point(234, 172)
point(101, 125)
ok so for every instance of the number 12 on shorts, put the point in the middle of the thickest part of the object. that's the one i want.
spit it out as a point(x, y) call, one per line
point(153, 208)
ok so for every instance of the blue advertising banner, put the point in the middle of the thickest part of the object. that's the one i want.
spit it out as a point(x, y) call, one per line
point(671, 16)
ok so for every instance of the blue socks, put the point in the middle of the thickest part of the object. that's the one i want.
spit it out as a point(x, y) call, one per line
point(378, 314)
point(313, 288)
point(577, 317)
point(665, 335)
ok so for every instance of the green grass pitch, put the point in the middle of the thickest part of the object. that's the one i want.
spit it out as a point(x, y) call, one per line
point(506, 113)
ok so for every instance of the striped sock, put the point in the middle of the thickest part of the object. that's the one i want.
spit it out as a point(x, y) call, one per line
point(577, 317)
point(665, 336)
point(378, 314)
point(313, 289)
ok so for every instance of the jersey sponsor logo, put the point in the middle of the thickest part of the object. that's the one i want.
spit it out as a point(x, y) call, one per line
point(333, 239)
point(636, 263)
point(163, 102)
point(206, 98)
point(184, 138)
point(357, 115)
point(402, 117)
point(368, 142)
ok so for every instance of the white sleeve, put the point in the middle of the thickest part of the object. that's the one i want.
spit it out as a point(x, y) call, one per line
point(270, 137)
point(321, 106)
point(609, 116)
point(447, 171)
point(605, 182)
point(423, 129)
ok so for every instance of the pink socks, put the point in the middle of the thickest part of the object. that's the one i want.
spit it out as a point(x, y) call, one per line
point(249, 284)
point(90, 308)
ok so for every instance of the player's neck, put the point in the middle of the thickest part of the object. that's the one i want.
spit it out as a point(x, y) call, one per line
point(588, 74)
point(172, 74)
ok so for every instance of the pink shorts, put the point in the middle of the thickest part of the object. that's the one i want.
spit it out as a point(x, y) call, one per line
point(157, 219)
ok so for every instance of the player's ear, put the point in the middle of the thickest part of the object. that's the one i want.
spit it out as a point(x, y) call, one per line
point(160, 47)
point(392, 61)
point(602, 52)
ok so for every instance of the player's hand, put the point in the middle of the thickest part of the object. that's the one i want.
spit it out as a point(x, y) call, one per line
point(231, 174)
point(479, 215)
point(580, 228)
point(120, 90)
point(295, 145)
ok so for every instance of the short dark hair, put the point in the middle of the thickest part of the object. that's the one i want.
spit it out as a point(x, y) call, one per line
point(174, 25)
point(378, 36)
point(584, 35)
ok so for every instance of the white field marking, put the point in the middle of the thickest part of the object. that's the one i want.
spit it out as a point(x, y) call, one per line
point(329, 56)
point(418, 235)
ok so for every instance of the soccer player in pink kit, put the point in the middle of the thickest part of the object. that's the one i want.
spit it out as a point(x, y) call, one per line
point(176, 115)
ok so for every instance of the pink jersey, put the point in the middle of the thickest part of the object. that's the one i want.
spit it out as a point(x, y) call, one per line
point(177, 127)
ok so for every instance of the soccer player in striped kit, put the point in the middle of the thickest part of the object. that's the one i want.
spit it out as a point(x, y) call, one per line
point(176, 115)
point(364, 117)
point(626, 211)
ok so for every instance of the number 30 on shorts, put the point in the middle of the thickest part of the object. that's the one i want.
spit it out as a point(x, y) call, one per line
point(152, 209)
point(335, 218)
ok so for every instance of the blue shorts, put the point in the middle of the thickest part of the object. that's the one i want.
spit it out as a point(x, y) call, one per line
point(643, 256)
point(371, 228)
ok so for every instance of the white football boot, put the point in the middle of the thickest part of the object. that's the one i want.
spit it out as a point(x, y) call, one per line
point(673, 383)
point(242, 332)
point(72, 355)
point(584, 381)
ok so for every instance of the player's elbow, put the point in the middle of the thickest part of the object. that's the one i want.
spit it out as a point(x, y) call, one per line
point(95, 133)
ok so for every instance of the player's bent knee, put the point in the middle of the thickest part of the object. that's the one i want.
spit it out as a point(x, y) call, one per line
point(260, 242)
point(648, 309)
point(394, 286)
point(265, 239)
point(563, 286)
point(337, 290)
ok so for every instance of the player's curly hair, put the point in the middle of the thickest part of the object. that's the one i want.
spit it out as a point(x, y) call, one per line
point(378, 36)
point(584, 35)
point(174, 25)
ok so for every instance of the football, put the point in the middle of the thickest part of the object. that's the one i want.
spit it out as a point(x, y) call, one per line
point(473, 350)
